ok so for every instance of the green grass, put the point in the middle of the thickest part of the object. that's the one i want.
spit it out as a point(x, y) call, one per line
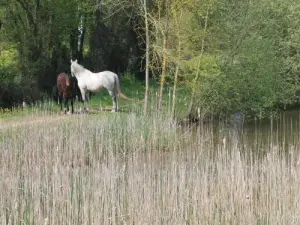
point(130, 86)
point(101, 101)
point(135, 89)
point(7, 115)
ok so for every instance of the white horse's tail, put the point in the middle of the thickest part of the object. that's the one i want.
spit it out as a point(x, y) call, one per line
point(119, 93)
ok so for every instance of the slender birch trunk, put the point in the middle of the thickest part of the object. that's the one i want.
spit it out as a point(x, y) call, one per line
point(177, 65)
point(163, 71)
point(147, 57)
point(80, 41)
point(175, 82)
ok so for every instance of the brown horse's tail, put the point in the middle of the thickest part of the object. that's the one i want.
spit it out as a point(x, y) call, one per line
point(119, 93)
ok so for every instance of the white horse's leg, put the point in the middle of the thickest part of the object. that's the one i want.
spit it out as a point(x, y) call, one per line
point(115, 104)
point(87, 94)
point(114, 99)
point(87, 98)
point(83, 95)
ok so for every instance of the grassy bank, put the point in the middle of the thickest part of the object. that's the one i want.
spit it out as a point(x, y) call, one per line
point(123, 168)
point(130, 86)
point(135, 89)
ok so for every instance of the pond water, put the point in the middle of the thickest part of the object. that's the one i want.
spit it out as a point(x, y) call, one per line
point(282, 132)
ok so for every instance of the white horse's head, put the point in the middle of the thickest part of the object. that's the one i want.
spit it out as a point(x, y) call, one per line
point(74, 67)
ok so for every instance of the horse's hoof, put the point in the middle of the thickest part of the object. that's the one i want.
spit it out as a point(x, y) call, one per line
point(69, 113)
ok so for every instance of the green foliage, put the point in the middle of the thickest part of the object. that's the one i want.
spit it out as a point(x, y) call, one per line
point(8, 65)
point(257, 63)
point(40, 31)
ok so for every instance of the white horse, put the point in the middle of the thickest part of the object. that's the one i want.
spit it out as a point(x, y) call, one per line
point(95, 82)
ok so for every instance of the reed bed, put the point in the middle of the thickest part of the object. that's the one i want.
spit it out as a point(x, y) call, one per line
point(129, 169)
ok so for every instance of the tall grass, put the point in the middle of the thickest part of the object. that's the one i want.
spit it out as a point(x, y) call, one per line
point(128, 169)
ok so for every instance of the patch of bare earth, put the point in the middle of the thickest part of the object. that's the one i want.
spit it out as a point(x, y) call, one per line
point(31, 120)
point(40, 119)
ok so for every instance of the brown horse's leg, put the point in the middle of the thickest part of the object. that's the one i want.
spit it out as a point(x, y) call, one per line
point(72, 105)
point(60, 101)
point(66, 105)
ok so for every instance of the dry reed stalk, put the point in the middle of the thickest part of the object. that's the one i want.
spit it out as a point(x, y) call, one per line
point(127, 169)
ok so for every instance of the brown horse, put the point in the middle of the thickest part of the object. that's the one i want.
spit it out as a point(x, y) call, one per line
point(66, 91)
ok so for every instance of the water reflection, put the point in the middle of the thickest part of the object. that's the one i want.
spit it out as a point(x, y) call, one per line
point(282, 131)
point(235, 129)
point(259, 136)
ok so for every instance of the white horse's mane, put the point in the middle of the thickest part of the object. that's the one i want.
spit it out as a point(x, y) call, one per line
point(77, 67)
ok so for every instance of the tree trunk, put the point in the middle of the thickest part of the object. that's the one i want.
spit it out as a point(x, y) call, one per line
point(100, 44)
point(147, 59)
point(163, 71)
point(177, 64)
point(74, 42)
point(175, 82)
point(81, 34)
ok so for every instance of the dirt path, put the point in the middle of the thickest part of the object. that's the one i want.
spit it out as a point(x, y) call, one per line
point(30, 120)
